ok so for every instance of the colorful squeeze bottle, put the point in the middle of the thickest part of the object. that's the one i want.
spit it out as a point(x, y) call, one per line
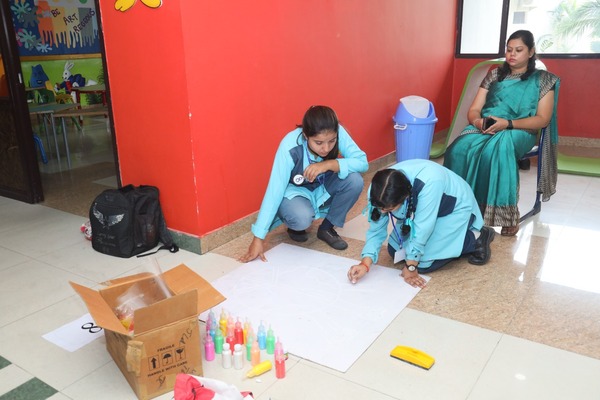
point(239, 332)
point(255, 353)
point(209, 348)
point(278, 348)
point(270, 341)
point(280, 366)
point(230, 336)
point(226, 356)
point(212, 327)
point(238, 356)
point(218, 342)
point(247, 326)
point(249, 340)
point(259, 369)
point(261, 336)
point(223, 322)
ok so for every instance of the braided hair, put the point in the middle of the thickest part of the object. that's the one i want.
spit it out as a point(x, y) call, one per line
point(390, 188)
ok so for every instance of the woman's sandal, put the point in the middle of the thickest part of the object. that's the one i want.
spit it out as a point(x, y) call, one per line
point(509, 230)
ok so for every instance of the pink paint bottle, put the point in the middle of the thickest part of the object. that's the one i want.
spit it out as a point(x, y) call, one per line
point(209, 348)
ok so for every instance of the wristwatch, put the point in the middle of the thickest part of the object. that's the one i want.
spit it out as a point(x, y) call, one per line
point(411, 268)
point(510, 125)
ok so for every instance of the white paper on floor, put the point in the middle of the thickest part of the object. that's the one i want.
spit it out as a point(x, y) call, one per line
point(75, 334)
point(305, 296)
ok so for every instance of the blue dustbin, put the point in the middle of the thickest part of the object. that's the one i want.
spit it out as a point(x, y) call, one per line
point(414, 124)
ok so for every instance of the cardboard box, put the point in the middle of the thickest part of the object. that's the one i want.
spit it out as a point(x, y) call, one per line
point(166, 339)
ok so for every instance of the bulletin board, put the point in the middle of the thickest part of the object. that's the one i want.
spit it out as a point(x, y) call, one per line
point(55, 27)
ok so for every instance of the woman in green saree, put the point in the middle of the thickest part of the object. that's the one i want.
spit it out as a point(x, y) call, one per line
point(512, 104)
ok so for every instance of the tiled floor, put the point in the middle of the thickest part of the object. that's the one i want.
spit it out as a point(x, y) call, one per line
point(525, 326)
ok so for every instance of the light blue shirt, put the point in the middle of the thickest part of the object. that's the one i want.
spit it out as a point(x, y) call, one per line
point(444, 206)
point(290, 160)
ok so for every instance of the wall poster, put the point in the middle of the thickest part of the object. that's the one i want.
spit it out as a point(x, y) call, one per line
point(55, 27)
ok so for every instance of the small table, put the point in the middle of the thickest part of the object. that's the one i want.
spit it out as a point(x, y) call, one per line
point(47, 112)
point(99, 89)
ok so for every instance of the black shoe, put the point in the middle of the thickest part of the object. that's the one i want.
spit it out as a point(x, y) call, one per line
point(482, 252)
point(331, 237)
point(298, 236)
point(524, 164)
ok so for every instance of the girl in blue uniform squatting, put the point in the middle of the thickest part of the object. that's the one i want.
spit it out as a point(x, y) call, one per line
point(435, 219)
point(316, 174)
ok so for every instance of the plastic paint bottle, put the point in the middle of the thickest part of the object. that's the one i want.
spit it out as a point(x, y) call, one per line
point(218, 342)
point(255, 353)
point(223, 323)
point(259, 369)
point(278, 348)
point(226, 356)
point(212, 327)
point(270, 341)
point(239, 332)
point(261, 336)
point(209, 348)
point(280, 366)
point(230, 336)
point(238, 356)
point(247, 326)
point(249, 341)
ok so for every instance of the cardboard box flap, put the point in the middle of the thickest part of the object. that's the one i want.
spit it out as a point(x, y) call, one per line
point(127, 279)
point(103, 315)
point(182, 279)
point(165, 312)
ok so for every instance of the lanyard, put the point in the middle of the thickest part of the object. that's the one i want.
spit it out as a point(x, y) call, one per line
point(391, 218)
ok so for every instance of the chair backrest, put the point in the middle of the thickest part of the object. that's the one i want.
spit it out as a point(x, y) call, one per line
point(61, 98)
point(474, 78)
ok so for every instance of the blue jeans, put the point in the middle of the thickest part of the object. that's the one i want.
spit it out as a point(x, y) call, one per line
point(468, 247)
point(298, 213)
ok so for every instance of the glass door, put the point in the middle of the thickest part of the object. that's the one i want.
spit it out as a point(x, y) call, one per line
point(19, 172)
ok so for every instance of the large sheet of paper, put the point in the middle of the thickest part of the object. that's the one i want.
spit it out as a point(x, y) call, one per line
point(305, 296)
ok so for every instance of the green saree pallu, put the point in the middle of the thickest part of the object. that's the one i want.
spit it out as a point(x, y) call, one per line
point(489, 162)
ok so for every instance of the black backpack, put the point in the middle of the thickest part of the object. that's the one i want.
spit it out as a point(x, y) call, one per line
point(129, 221)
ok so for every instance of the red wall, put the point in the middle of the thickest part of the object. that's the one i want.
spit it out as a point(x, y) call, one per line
point(578, 96)
point(202, 92)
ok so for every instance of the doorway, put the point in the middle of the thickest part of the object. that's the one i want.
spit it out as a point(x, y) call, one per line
point(66, 183)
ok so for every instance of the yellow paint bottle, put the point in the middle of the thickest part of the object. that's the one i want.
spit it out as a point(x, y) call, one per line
point(259, 369)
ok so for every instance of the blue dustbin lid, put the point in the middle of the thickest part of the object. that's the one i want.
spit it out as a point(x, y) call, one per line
point(415, 110)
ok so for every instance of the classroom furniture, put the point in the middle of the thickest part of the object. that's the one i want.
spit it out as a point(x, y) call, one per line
point(92, 89)
point(46, 112)
point(77, 114)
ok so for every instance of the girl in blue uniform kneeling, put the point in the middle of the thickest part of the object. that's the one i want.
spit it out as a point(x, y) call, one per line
point(316, 174)
point(435, 219)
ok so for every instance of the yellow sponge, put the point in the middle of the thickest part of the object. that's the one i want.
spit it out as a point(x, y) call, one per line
point(413, 356)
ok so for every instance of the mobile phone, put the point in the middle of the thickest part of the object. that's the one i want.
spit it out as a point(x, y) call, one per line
point(487, 122)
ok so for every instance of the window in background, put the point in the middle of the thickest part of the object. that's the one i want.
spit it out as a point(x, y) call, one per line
point(560, 27)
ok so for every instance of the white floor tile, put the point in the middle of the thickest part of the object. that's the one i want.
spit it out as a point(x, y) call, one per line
point(461, 351)
point(107, 382)
point(9, 258)
point(30, 287)
point(22, 343)
point(520, 369)
point(11, 377)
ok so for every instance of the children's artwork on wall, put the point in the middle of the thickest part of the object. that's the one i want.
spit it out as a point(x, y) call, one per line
point(55, 27)
point(124, 5)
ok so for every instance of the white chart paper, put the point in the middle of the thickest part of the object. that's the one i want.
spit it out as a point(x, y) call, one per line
point(75, 334)
point(307, 299)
